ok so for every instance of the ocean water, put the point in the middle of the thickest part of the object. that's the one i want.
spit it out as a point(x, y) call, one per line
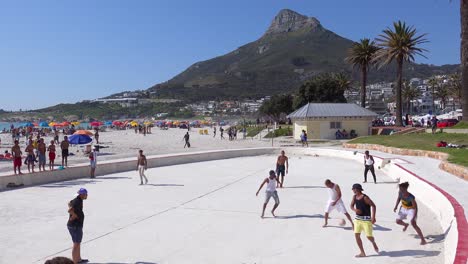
point(6, 125)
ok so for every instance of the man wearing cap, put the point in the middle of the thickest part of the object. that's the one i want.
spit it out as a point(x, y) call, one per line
point(271, 182)
point(75, 224)
point(365, 218)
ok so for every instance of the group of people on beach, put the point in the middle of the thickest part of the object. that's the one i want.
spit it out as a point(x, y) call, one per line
point(35, 151)
point(363, 206)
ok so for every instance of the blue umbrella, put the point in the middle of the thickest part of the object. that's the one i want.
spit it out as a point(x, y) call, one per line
point(28, 124)
point(79, 139)
point(108, 123)
point(43, 124)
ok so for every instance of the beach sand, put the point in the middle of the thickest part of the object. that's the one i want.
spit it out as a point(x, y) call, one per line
point(125, 143)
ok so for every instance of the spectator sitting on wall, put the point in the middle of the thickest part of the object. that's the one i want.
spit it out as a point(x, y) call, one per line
point(345, 133)
point(338, 134)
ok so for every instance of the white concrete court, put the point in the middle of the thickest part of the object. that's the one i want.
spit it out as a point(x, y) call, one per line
point(207, 213)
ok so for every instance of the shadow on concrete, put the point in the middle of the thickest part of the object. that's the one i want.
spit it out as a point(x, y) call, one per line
point(342, 227)
point(299, 216)
point(381, 228)
point(434, 239)
point(112, 178)
point(415, 253)
point(165, 185)
point(68, 184)
point(304, 187)
point(387, 182)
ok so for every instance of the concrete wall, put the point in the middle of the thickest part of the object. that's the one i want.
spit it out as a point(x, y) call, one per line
point(320, 129)
point(128, 164)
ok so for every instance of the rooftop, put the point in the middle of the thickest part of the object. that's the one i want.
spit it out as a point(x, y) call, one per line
point(330, 110)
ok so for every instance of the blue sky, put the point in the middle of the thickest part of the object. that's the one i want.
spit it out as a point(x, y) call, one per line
point(65, 51)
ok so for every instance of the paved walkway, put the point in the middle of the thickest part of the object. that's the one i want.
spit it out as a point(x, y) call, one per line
point(207, 213)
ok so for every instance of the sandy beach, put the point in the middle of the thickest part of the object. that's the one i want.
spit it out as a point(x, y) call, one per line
point(117, 144)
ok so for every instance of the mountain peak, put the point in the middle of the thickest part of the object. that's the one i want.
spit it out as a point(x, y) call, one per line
point(288, 20)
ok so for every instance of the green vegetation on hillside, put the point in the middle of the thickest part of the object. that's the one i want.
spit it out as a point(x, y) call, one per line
point(280, 132)
point(423, 142)
point(460, 125)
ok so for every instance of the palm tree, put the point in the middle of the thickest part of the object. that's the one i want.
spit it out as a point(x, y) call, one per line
point(464, 56)
point(399, 44)
point(361, 55)
point(455, 87)
point(344, 83)
point(410, 93)
point(442, 93)
point(433, 83)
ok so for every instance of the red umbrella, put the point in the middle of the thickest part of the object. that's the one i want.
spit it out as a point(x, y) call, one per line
point(96, 124)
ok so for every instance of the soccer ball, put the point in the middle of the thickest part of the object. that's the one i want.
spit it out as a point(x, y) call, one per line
point(342, 222)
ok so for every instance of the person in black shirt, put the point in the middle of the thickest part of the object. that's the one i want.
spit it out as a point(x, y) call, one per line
point(187, 140)
point(75, 224)
point(365, 217)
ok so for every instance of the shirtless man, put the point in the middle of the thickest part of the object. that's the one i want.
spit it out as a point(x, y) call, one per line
point(51, 150)
point(30, 158)
point(142, 165)
point(64, 146)
point(282, 166)
point(41, 152)
point(16, 152)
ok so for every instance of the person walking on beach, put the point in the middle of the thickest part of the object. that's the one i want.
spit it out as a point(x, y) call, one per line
point(51, 150)
point(41, 152)
point(56, 136)
point(221, 132)
point(335, 202)
point(92, 162)
point(30, 158)
point(16, 153)
point(369, 166)
point(214, 132)
point(365, 217)
point(304, 138)
point(408, 210)
point(282, 166)
point(96, 136)
point(142, 165)
point(271, 182)
point(187, 140)
point(64, 146)
point(75, 224)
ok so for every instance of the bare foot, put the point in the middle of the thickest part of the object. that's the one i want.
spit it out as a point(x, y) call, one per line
point(361, 255)
point(273, 213)
point(325, 225)
point(406, 227)
point(262, 216)
point(364, 182)
point(376, 248)
point(423, 242)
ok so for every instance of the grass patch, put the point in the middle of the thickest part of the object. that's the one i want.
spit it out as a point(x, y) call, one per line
point(252, 131)
point(280, 132)
point(423, 142)
point(460, 125)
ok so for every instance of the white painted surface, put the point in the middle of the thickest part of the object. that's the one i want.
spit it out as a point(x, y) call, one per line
point(207, 213)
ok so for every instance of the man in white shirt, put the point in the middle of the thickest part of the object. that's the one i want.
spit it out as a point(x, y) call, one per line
point(335, 202)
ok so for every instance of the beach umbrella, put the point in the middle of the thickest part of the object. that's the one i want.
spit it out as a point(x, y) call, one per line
point(134, 123)
point(83, 132)
point(147, 123)
point(108, 123)
point(66, 123)
point(96, 124)
point(79, 139)
point(43, 124)
point(51, 124)
point(76, 123)
point(28, 124)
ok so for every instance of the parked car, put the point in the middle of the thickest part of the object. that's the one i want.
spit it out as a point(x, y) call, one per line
point(446, 123)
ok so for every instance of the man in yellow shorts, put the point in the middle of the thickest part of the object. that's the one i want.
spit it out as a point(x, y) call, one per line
point(365, 218)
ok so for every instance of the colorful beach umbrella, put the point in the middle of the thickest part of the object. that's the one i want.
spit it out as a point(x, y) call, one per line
point(75, 123)
point(96, 124)
point(108, 123)
point(83, 132)
point(28, 124)
point(79, 139)
point(51, 124)
point(43, 124)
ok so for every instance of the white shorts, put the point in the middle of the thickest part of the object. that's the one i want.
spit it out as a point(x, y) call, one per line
point(405, 213)
point(339, 206)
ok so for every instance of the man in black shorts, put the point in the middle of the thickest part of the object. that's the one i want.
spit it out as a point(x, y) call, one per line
point(75, 224)
point(64, 145)
point(282, 166)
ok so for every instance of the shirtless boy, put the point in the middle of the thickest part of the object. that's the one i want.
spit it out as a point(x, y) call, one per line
point(16, 152)
point(282, 166)
point(142, 165)
point(41, 151)
point(30, 158)
point(64, 146)
point(51, 150)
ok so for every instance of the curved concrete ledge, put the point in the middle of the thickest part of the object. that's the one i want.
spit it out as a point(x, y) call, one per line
point(449, 212)
point(128, 164)
point(457, 170)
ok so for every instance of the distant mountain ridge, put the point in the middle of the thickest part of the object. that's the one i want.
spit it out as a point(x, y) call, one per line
point(294, 48)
